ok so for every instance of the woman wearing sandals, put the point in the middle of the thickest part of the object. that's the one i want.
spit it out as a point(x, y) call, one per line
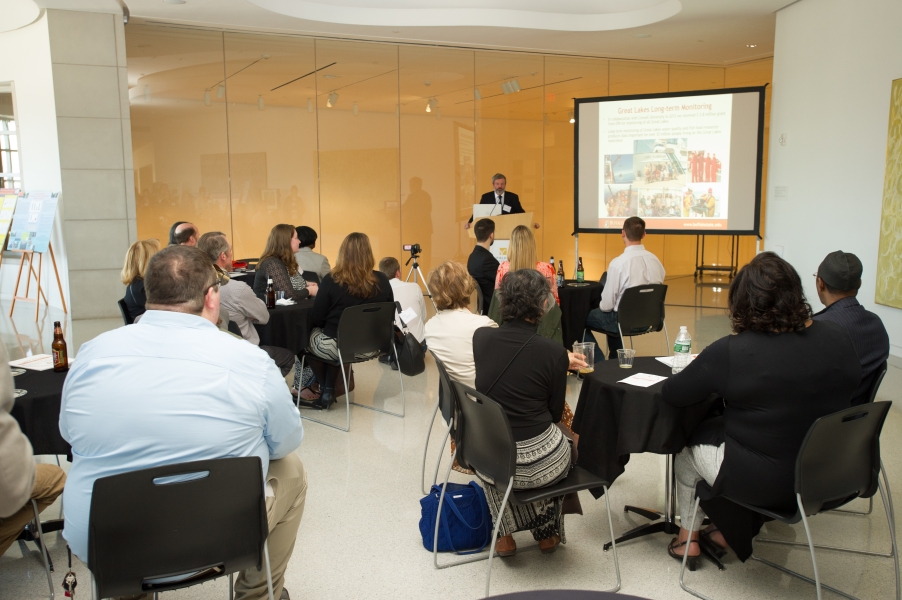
point(777, 374)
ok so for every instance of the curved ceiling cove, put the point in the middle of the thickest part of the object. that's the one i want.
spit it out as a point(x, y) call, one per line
point(18, 13)
point(567, 15)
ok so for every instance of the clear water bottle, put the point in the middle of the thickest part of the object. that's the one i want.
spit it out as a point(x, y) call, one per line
point(682, 350)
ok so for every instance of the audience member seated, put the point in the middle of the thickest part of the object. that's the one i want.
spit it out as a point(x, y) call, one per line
point(278, 263)
point(482, 265)
point(521, 254)
point(173, 389)
point(22, 480)
point(244, 307)
point(777, 374)
point(183, 233)
point(449, 334)
point(527, 375)
point(308, 260)
point(636, 266)
point(352, 282)
point(838, 279)
point(409, 296)
point(132, 275)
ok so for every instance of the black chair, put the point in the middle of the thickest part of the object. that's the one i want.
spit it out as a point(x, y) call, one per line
point(641, 311)
point(34, 532)
point(149, 534)
point(445, 402)
point(479, 300)
point(362, 330)
point(310, 276)
point(839, 461)
point(123, 310)
point(233, 328)
point(485, 445)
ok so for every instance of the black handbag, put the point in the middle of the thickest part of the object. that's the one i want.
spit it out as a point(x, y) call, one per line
point(411, 358)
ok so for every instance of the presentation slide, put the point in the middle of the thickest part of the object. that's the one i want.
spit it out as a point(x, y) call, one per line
point(686, 163)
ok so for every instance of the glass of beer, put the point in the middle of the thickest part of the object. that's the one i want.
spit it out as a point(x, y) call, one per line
point(626, 356)
point(587, 349)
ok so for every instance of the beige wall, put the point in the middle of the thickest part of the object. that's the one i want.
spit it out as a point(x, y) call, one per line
point(392, 170)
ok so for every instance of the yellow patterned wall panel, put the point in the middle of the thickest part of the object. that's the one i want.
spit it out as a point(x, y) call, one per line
point(889, 260)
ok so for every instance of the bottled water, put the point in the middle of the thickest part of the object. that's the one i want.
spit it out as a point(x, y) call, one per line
point(682, 350)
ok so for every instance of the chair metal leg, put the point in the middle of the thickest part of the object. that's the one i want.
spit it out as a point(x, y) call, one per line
point(607, 503)
point(297, 401)
point(39, 533)
point(268, 570)
point(488, 569)
point(890, 518)
point(426, 445)
point(668, 348)
point(686, 556)
point(438, 459)
point(348, 403)
point(231, 586)
point(817, 577)
point(387, 412)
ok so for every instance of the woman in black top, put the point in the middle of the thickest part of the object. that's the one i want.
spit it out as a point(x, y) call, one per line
point(352, 282)
point(278, 263)
point(132, 275)
point(527, 375)
point(777, 374)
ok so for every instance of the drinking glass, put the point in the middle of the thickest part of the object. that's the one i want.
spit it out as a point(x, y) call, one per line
point(587, 349)
point(625, 357)
point(15, 373)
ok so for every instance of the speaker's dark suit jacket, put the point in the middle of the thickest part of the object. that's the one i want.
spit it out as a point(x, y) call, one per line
point(510, 199)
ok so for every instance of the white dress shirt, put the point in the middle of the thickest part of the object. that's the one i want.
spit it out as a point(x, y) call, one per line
point(170, 389)
point(410, 296)
point(636, 266)
point(449, 335)
point(244, 307)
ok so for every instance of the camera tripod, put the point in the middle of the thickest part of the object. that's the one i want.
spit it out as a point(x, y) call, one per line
point(415, 270)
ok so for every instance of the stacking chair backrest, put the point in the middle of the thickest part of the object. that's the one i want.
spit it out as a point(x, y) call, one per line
point(485, 441)
point(604, 279)
point(123, 309)
point(641, 309)
point(881, 373)
point(142, 528)
point(446, 391)
point(840, 457)
point(366, 328)
point(310, 276)
point(479, 301)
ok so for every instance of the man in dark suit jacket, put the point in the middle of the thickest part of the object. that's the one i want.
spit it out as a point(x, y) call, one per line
point(838, 280)
point(481, 265)
point(508, 203)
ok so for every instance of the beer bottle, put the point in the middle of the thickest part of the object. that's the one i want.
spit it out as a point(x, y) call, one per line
point(560, 273)
point(270, 294)
point(580, 274)
point(58, 347)
point(552, 265)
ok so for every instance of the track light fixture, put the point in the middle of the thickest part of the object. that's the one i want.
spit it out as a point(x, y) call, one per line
point(509, 87)
point(354, 109)
point(220, 91)
point(477, 94)
point(260, 105)
point(572, 118)
point(333, 98)
point(431, 104)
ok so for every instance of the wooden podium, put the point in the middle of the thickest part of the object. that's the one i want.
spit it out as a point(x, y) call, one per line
point(504, 224)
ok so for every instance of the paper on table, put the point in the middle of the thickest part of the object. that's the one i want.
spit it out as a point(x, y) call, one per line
point(38, 362)
point(668, 360)
point(642, 379)
point(408, 315)
point(285, 302)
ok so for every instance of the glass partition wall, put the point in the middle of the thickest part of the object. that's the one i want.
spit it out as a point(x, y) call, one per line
point(237, 132)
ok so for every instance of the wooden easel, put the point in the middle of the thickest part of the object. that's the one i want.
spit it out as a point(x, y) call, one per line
point(28, 255)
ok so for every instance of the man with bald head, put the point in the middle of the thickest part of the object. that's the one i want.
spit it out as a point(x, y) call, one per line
point(183, 233)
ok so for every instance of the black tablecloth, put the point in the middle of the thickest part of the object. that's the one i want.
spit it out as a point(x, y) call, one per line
point(565, 595)
point(38, 411)
point(614, 420)
point(247, 278)
point(288, 327)
point(576, 302)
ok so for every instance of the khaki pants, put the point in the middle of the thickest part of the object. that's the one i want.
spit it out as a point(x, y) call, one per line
point(284, 511)
point(49, 481)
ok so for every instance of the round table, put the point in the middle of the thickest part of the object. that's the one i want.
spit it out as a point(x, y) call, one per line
point(38, 411)
point(576, 302)
point(288, 327)
point(565, 595)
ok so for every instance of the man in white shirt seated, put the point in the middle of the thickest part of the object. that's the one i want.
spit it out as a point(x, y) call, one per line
point(636, 266)
point(410, 297)
point(243, 305)
point(173, 389)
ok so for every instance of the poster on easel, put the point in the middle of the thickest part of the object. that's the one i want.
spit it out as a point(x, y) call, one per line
point(8, 199)
point(33, 221)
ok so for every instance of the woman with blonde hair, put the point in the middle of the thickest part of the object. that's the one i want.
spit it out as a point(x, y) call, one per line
point(132, 275)
point(353, 281)
point(278, 263)
point(521, 254)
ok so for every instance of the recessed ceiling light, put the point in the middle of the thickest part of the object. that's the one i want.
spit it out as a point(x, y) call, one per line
point(174, 1)
point(642, 35)
point(751, 45)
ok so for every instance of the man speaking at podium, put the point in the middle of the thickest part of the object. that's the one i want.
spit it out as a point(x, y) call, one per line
point(507, 203)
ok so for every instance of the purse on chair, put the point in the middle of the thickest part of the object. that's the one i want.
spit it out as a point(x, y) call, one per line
point(411, 359)
point(466, 526)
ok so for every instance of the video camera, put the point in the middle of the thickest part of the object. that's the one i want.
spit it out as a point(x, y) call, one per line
point(413, 248)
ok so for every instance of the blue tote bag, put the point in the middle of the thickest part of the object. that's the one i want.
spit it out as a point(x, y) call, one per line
point(466, 523)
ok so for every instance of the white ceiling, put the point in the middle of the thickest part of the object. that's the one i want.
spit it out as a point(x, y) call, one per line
point(17, 13)
point(711, 32)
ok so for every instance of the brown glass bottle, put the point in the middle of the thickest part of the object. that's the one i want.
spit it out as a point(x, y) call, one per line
point(58, 347)
point(580, 273)
point(270, 294)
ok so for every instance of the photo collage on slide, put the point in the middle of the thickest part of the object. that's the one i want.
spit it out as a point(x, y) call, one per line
point(676, 178)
